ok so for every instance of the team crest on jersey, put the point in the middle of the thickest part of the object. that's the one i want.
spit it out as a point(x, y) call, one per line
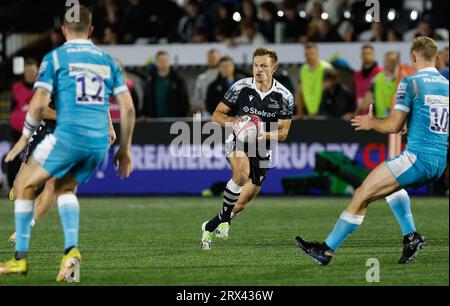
point(401, 92)
point(42, 68)
point(274, 104)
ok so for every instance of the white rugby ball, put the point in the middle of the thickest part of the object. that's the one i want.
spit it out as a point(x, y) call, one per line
point(247, 129)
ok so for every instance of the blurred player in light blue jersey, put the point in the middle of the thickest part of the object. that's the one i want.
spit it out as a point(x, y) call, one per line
point(422, 102)
point(79, 78)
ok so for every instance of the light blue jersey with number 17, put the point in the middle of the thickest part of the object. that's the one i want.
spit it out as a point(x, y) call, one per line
point(81, 78)
point(424, 95)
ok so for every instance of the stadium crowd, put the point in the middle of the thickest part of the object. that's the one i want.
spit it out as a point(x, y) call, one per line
point(257, 22)
point(318, 86)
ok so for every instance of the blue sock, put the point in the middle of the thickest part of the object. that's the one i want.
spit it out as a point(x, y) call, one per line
point(400, 204)
point(345, 226)
point(24, 213)
point(69, 212)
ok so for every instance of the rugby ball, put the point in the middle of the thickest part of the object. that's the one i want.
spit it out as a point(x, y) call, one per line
point(247, 128)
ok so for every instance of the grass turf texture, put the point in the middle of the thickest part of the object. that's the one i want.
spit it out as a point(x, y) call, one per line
point(155, 241)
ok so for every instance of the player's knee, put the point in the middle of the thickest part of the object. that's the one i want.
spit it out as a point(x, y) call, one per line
point(23, 187)
point(362, 195)
point(241, 179)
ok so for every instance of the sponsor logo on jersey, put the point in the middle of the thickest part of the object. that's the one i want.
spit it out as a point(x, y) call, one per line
point(254, 111)
point(433, 100)
point(251, 98)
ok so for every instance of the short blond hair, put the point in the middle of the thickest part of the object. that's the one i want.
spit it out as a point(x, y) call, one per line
point(426, 47)
point(264, 51)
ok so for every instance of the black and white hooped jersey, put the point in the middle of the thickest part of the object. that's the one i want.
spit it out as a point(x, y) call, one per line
point(244, 98)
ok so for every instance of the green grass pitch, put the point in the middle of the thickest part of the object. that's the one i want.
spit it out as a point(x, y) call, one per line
point(155, 241)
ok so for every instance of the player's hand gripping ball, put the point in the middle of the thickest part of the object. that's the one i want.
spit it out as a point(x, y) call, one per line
point(249, 128)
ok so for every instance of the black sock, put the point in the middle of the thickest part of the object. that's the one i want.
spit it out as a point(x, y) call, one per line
point(20, 255)
point(229, 201)
point(223, 216)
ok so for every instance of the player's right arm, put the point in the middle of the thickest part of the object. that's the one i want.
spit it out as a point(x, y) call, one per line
point(396, 121)
point(38, 104)
point(391, 125)
point(220, 115)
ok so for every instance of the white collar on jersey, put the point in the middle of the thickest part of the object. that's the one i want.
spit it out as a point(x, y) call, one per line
point(264, 94)
point(430, 69)
point(79, 41)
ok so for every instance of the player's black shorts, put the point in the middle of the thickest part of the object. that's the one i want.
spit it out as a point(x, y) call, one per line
point(39, 135)
point(259, 165)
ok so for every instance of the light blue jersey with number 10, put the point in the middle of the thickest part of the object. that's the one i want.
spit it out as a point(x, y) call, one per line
point(81, 78)
point(424, 95)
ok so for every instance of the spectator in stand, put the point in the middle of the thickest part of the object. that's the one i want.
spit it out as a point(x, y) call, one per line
point(222, 35)
point(442, 62)
point(56, 38)
point(315, 13)
point(201, 36)
point(165, 92)
point(110, 37)
point(203, 80)
point(315, 16)
point(379, 32)
point(114, 108)
point(364, 77)
point(191, 22)
point(135, 15)
point(382, 89)
point(426, 28)
point(249, 35)
point(249, 12)
point(218, 88)
point(114, 18)
point(310, 88)
point(22, 92)
point(295, 27)
point(393, 36)
point(229, 27)
point(268, 20)
point(337, 99)
point(325, 33)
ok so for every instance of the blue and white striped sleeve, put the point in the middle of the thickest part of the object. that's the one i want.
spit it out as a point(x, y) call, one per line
point(47, 72)
point(119, 86)
point(404, 96)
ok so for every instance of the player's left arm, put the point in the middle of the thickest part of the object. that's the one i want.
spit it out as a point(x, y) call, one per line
point(284, 121)
point(112, 132)
point(38, 105)
point(391, 125)
point(282, 131)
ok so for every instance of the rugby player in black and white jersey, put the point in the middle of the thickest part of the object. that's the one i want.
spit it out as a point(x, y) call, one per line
point(266, 98)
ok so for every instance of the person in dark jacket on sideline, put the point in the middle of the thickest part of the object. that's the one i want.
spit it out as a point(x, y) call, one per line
point(337, 99)
point(165, 92)
point(218, 88)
